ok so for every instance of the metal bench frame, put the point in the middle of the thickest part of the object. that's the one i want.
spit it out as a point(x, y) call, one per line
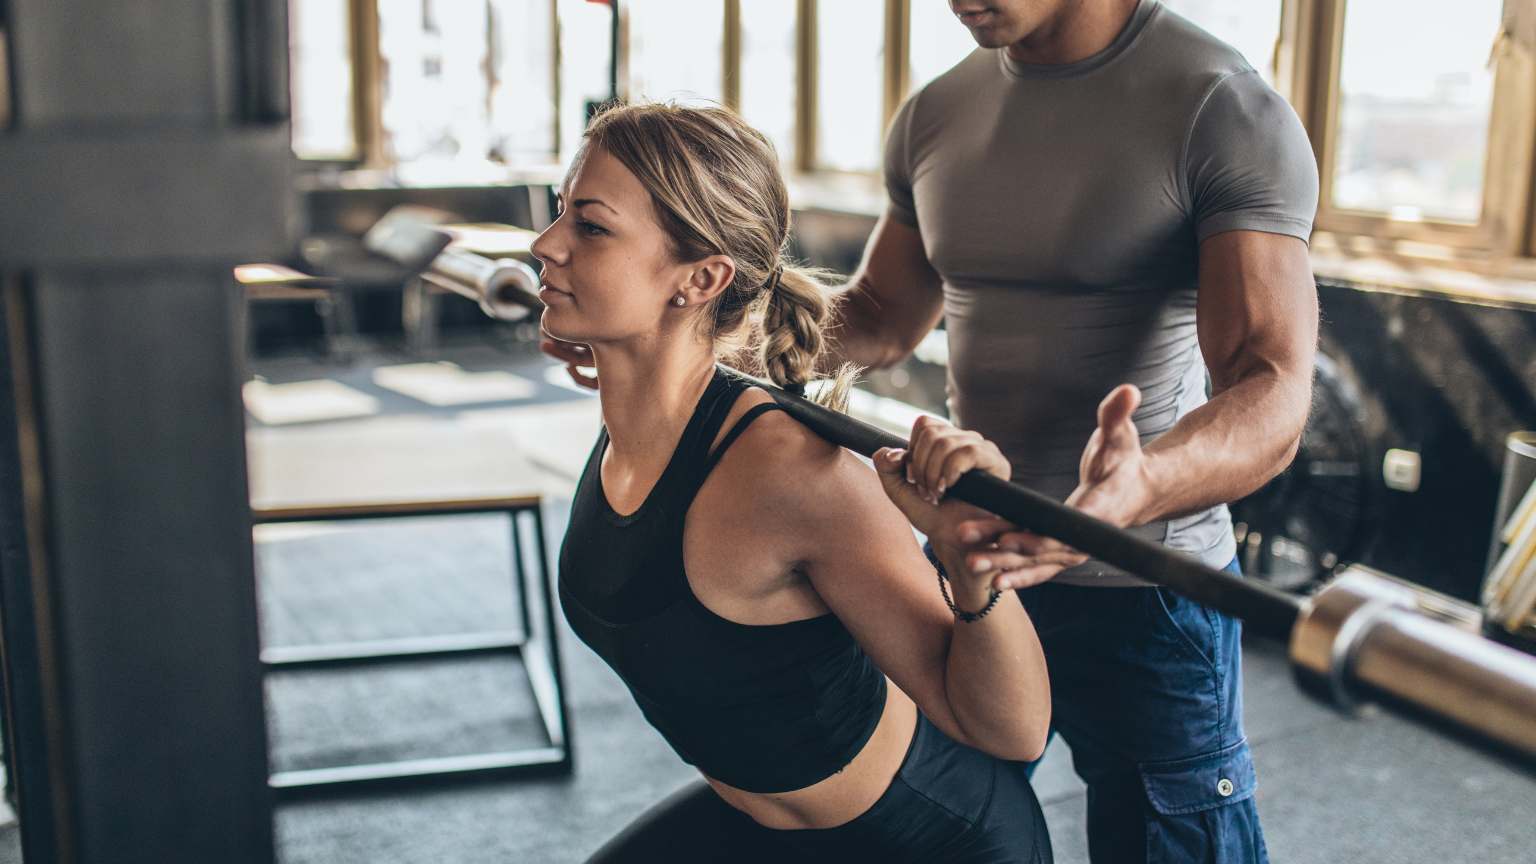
point(536, 645)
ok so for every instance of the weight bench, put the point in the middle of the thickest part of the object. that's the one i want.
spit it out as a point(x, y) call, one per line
point(534, 643)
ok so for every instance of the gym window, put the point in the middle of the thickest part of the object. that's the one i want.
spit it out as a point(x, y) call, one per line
point(438, 86)
point(1423, 119)
point(320, 57)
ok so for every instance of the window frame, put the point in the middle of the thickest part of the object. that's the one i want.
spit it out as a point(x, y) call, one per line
point(1306, 65)
point(730, 51)
point(893, 76)
point(362, 19)
point(7, 109)
point(1315, 30)
point(366, 71)
point(730, 55)
point(367, 97)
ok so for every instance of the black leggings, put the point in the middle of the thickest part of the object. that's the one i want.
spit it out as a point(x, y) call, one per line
point(947, 803)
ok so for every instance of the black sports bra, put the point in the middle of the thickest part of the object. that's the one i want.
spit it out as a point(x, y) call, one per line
point(763, 708)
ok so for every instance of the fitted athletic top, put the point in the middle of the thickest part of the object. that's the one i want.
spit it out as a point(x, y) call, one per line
point(764, 708)
point(1064, 207)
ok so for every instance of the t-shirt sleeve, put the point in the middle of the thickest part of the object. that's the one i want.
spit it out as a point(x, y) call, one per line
point(1249, 164)
point(898, 165)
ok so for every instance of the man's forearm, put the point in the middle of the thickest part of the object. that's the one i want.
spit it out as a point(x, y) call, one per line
point(859, 335)
point(1227, 448)
point(855, 335)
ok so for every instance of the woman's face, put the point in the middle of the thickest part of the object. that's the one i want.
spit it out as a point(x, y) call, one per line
point(609, 273)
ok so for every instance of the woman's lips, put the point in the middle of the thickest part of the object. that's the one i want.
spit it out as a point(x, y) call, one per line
point(547, 292)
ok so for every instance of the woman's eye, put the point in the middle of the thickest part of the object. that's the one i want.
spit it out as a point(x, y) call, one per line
point(591, 229)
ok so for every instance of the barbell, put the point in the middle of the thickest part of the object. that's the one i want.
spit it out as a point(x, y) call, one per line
point(1363, 636)
point(506, 288)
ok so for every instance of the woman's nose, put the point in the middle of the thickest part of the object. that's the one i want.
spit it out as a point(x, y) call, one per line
point(547, 248)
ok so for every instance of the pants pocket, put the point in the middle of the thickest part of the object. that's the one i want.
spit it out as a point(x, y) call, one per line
point(1188, 624)
point(1201, 809)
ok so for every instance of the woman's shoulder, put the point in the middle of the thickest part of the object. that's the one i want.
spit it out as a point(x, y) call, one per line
point(780, 460)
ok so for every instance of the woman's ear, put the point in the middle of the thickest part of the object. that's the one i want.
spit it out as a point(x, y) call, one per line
point(708, 277)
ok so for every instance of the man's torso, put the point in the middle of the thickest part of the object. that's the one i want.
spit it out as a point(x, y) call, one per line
point(1055, 202)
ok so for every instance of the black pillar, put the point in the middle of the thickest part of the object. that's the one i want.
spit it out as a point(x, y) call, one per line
point(147, 154)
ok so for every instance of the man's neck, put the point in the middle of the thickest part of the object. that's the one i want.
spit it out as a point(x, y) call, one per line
point(1078, 31)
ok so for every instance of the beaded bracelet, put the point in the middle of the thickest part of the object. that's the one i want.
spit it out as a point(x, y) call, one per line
point(967, 617)
point(961, 614)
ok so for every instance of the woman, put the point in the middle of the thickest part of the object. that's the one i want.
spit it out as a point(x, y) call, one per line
point(748, 581)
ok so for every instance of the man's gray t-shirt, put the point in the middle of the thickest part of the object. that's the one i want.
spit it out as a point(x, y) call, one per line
point(1064, 206)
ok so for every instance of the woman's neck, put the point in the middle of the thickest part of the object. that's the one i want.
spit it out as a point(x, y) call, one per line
point(648, 393)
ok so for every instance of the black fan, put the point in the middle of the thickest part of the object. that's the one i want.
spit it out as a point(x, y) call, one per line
point(1301, 525)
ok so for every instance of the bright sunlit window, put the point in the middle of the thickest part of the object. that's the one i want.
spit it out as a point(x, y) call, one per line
point(938, 41)
point(320, 51)
point(768, 71)
point(435, 94)
point(675, 57)
point(522, 112)
point(585, 40)
point(1403, 105)
point(850, 86)
point(1415, 91)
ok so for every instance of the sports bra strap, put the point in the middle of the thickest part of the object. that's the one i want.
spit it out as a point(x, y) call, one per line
point(745, 420)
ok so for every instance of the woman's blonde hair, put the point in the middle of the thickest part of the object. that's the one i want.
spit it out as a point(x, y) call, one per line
point(715, 184)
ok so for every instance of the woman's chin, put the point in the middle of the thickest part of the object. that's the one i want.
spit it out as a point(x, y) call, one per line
point(549, 323)
point(568, 325)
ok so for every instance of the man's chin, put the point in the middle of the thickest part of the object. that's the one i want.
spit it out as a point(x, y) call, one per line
point(990, 37)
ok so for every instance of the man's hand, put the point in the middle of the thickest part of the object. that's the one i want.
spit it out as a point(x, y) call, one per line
point(574, 355)
point(1113, 485)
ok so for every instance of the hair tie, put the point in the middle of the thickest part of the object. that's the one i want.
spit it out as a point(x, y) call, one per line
point(775, 276)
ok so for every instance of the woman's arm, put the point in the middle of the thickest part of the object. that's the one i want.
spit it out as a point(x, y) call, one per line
point(983, 682)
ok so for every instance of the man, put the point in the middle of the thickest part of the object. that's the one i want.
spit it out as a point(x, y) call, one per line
point(1106, 199)
point(1113, 196)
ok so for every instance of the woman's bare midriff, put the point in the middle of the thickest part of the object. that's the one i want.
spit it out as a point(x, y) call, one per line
point(846, 794)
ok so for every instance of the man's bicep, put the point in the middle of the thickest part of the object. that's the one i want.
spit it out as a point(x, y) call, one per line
point(1257, 305)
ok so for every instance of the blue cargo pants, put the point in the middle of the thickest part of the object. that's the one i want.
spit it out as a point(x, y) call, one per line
point(1146, 689)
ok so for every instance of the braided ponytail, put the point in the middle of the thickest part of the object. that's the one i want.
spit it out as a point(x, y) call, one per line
point(791, 336)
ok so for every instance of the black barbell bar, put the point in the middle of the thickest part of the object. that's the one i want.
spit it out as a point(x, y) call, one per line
point(1261, 607)
point(1362, 636)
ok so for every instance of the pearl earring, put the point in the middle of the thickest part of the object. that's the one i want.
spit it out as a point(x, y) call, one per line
point(679, 300)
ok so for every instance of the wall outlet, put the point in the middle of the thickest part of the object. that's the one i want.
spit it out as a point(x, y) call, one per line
point(1401, 469)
